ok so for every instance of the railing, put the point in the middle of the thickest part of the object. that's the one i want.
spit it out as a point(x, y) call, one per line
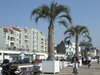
point(12, 39)
point(12, 35)
point(30, 69)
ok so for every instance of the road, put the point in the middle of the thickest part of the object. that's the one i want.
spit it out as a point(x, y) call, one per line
point(84, 70)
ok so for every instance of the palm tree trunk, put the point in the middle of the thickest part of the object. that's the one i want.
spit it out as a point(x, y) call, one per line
point(51, 56)
point(85, 52)
point(77, 47)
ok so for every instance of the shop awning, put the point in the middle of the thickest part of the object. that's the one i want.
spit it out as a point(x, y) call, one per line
point(22, 53)
point(34, 53)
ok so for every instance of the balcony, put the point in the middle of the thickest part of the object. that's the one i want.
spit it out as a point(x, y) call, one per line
point(26, 43)
point(11, 47)
point(12, 35)
point(42, 44)
point(12, 40)
point(26, 34)
point(42, 40)
point(26, 39)
point(12, 44)
point(46, 44)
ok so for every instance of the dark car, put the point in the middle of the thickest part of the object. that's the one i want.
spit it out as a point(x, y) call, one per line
point(63, 59)
point(26, 60)
point(42, 60)
point(20, 61)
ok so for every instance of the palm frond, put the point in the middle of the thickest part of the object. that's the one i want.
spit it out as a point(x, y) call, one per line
point(67, 37)
point(86, 44)
point(83, 43)
point(84, 30)
point(87, 36)
point(64, 23)
point(68, 17)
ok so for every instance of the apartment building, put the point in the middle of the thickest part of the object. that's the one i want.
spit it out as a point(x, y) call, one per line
point(22, 39)
point(10, 38)
point(38, 42)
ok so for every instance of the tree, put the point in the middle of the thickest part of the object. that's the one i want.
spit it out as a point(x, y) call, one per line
point(51, 14)
point(86, 44)
point(77, 31)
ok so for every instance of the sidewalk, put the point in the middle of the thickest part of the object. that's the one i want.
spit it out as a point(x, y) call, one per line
point(94, 70)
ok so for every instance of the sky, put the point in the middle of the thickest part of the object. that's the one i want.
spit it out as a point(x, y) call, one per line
point(83, 12)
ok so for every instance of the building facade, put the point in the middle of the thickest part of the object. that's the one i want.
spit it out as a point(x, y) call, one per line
point(22, 39)
point(68, 48)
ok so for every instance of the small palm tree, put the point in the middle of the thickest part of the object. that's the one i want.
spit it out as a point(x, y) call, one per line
point(77, 31)
point(50, 14)
point(86, 44)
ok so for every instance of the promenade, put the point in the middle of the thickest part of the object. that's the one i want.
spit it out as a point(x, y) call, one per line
point(94, 70)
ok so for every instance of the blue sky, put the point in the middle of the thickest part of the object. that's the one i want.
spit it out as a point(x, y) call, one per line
point(83, 12)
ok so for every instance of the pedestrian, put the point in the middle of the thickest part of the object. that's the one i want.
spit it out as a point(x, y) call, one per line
point(75, 61)
point(98, 59)
point(89, 59)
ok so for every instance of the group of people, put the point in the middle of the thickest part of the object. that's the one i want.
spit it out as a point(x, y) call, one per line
point(76, 62)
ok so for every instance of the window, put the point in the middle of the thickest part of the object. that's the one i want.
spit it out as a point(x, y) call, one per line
point(4, 34)
point(19, 41)
point(33, 37)
point(12, 44)
point(8, 37)
point(33, 32)
point(19, 35)
point(15, 32)
point(11, 32)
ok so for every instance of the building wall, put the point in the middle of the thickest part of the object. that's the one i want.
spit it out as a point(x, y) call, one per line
point(2, 39)
point(29, 40)
point(61, 48)
point(37, 41)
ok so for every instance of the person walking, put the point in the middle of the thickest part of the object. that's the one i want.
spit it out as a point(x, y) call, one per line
point(98, 59)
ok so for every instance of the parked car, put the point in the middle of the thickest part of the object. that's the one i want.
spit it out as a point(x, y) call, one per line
point(57, 59)
point(19, 61)
point(42, 60)
point(63, 59)
point(12, 61)
point(36, 60)
point(26, 60)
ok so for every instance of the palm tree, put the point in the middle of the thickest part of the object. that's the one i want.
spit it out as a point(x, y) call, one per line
point(87, 45)
point(50, 14)
point(77, 31)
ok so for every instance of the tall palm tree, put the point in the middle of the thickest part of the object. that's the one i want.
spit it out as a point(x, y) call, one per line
point(87, 45)
point(77, 31)
point(50, 14)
